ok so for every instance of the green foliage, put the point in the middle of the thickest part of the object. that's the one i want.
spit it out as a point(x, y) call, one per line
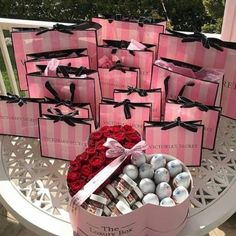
point(214, 8)
point(186, 15)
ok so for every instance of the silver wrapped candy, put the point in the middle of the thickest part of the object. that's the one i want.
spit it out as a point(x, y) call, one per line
point(147, 186)
point(182, 179)
point(146, 171)
point(174, 167)
point(131, 171)
point(180, 194)
point(138, 158)
point(161, 175)
point(167, 202)
point(158, 161)
point(150, 198)
point(163, 190)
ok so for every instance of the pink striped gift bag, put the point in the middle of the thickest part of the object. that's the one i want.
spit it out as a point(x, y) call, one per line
point(152, 96)
point(141, 59)
point(125, 112)
point(117, 77)
point(59, 37)
point(195, 72)
point(181, 139)
point(64, 136)
point(73, 58)
point(66, 106)
point(173, 84)
point(86, 83)
point(145, 30)
point(189, 110)
point(19, 116)
point(199, 50)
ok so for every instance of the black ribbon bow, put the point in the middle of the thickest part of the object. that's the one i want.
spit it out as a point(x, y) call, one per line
point(81, 25)
point(13, 98)
point(187, 103)
point(189, 125)
point(57, 99)
point(118, 44)
point(200, 37)
point(141, 92)
point(67, 29)
point(127, 106)
point(69, 118)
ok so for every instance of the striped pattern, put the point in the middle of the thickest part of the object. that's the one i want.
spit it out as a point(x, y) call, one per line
point(115, 116)
point(116, 79)
point(74, 61)
point(26, 42)
point(178, 142)
point(194, 53)
point(203, 91)
point(153, 98)
point(62, 141)
point(19, 121)
point(142, 60)
point(83, 112)
point(209, 119)
point(123, 30)
point(84, 89)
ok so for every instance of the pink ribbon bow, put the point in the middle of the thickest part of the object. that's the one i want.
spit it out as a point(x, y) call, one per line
point(116, 150)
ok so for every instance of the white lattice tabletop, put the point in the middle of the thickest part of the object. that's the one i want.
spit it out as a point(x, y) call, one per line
point(34, 189)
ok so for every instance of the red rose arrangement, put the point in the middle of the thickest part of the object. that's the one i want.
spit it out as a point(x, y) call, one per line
point(87, 164)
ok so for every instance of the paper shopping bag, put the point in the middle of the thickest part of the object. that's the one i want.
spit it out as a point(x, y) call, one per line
point(117, 77)
point(64, 136)
point(59, 37)
point(72, 57)
point(178, 138)
point(125, 112)
point(189, 110)
point(152, 96)
point(19, 116)
point(141, 59)
point(199, 50)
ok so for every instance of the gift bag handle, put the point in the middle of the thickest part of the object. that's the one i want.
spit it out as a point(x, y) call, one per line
point(68, 29)
point(166, 85)
point(182, 90)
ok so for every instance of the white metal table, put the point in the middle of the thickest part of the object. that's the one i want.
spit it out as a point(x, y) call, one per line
point(34, 188)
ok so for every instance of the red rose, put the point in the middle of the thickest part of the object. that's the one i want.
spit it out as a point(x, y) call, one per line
point(105, 129)
point(97, 162)
point(75, 164)
point(100, 142)
point(108, 134)
point(90, 151)
point(86, 170)
point(73, 176)
point(134, 137)
point(91, 142)
point(83, 157)
point(116, 128)
point(119, 137)
point(127, 128)
point(96, 135)
point(101, 148)
point(108, 161)
point(76, 186)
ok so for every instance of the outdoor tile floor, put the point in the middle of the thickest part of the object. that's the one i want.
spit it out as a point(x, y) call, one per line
point(9, 226)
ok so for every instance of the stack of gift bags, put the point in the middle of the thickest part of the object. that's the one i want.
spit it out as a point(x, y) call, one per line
point(111, 71)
